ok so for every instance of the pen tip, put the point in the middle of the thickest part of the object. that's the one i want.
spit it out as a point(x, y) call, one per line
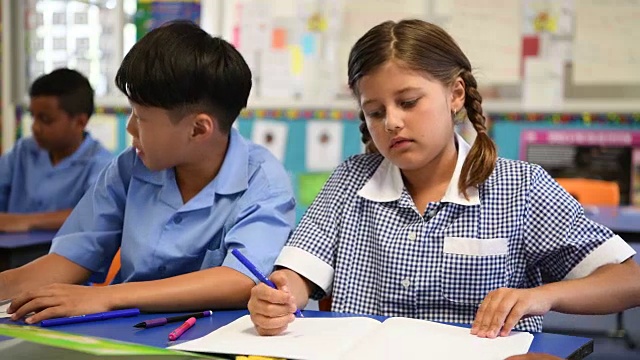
point(139, 325)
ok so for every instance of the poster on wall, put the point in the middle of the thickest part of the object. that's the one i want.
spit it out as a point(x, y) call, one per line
point(324, 141)
point(609, 155)
point(273, 135)
point(636, 177)
point(151, 14)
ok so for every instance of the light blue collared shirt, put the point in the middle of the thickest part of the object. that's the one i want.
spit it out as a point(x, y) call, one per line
point(29, 183)
point(249, 205)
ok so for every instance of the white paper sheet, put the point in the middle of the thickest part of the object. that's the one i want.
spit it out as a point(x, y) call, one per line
point(306, 338)
point(4, 305)
point(543, 84)
point(277, 80)
point(323, 145)
point(606, 42)
point(272, 135)
point(255, 21)
point(487, 32)
point(402, 338)
point(359, 338)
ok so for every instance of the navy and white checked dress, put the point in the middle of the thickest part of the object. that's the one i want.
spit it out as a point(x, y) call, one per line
point(363, 241)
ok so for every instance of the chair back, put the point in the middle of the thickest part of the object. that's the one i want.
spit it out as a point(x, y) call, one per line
point(113, 270)
point(592, 192)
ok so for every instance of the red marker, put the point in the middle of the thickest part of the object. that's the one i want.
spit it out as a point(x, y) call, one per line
point(175, 334)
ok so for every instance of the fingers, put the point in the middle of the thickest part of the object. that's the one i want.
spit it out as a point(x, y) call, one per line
point(264, 293)
point(499, 313)
point(517, 313)
point(48, 313)
point(271, 309)
point(280, 280)
point(478, 322)
point(35, 305)
point(271, 319)
point(492, 312)
point(271, 326)
point(25, 297)
point(270, 302)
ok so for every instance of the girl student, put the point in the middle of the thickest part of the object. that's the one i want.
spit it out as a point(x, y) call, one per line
point(426, 226)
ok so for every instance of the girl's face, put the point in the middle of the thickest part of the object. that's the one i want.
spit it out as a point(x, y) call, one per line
point(408, 115)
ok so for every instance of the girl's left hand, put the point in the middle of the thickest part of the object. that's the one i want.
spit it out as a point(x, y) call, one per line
point(59, 300)
point(502, 308)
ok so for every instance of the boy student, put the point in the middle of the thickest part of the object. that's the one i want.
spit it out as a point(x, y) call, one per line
point(429, 227)
point(43, 177)
point(189, 190)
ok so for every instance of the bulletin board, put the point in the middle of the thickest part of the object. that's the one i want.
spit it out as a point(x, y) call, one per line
point(310, 144)
point(301, 110)
point(539, 53)
point(553, 140)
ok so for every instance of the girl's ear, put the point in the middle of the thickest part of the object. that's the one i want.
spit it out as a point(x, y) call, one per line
point(458, 94)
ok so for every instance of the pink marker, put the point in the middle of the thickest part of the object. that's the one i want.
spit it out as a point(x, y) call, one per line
point(175, 334)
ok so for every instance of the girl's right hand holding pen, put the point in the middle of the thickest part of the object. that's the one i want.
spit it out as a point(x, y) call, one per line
point(272, 309)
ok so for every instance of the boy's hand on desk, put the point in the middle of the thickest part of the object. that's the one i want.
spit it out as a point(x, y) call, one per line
point(59, 300)
point(14, 222)
point(502, 308)
point(272, 309)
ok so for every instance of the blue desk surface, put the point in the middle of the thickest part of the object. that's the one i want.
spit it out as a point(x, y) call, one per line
point(18, 240)
point(624, 219)
point(122, 329)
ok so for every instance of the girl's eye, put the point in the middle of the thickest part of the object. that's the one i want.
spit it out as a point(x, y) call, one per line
point(374, 114)
point(409, 103)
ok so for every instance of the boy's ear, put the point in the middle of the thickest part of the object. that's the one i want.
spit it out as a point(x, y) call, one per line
point(203, 126)
point(81, 120)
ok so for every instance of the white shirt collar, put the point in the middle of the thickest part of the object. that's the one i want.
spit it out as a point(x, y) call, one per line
point(386, 183)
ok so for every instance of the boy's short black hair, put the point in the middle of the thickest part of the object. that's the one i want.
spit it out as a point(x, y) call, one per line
point(181, 68)
point(73, 90)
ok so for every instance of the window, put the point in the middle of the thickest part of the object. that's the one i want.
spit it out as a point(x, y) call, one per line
point(89, 36)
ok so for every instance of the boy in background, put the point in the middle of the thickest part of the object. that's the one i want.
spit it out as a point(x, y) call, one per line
point(43, 177)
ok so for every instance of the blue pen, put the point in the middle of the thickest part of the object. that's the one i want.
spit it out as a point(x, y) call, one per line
point(257, 273)
point(90, 317)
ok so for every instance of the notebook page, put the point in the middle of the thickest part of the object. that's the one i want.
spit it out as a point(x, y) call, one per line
point(401, 338)
point(306, 338)
point(4, 305)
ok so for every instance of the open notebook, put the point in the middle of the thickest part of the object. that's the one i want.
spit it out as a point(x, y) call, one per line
point(359, 338)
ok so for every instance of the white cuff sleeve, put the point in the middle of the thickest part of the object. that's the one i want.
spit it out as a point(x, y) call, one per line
point(613, 251)
point(307, 265)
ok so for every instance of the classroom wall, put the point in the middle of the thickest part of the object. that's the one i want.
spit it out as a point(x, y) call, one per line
point(303, 45)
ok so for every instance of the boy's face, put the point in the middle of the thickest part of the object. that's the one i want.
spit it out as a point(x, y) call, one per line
point(53, 128)
point(159, 143)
